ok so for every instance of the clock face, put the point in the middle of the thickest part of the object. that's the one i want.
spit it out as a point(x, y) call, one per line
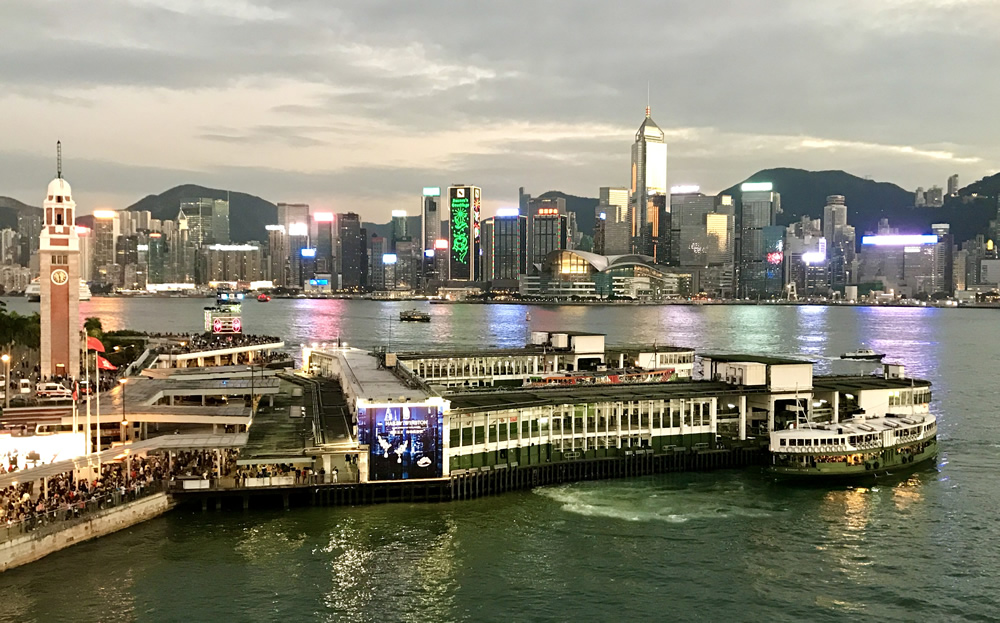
point(59, 277)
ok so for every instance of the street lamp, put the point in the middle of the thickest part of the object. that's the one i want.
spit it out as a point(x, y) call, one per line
point(6, 389)
point(124, 421)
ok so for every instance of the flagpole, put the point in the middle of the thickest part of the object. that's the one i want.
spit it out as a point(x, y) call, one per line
point(90, 390)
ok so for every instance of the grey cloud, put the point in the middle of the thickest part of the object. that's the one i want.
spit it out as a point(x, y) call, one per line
point(838, 69)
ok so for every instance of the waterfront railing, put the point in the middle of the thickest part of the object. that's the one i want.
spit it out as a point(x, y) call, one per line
point(49, 522)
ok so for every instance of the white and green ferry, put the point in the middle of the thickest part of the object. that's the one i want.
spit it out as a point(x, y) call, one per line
point(863, 446)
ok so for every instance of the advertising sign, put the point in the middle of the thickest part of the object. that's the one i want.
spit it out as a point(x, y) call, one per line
point(461, 205)
point(404, 441)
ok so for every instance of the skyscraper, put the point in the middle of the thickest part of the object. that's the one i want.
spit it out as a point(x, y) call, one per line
point(761, 243)
point(104, 234)
point(617, 223)
point(325, 226)
point(207, 220)
point(431, 201)
point(548, 233)
point(289, 213)
point(689, 211)
point(505, 238)
point(353, 252)
point(953, 185)
point(840, 242)
point(298, 241)
point(277, 255)
point(465, 241)
point(649, 177)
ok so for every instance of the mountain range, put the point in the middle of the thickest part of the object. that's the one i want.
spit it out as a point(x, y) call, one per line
point(803, 193)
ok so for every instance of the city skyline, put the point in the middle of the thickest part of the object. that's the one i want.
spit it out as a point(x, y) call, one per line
point(367, 106)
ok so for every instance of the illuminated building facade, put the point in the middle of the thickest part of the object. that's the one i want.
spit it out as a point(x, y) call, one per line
point(761, 246)
point(325, 226)
point(352, 249)
point(277, 255)
point(505, 237)
point(648, 179)
point(549, 232)
point(465, 238)
point(904, 264)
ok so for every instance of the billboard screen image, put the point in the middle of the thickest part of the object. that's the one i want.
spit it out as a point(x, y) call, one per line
point(404, 441)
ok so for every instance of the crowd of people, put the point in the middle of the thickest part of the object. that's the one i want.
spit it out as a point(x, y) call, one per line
point(212, 341)
point(66, 495)
point(301, 475)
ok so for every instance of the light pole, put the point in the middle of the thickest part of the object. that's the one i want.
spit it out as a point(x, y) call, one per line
point(124, 420)
point(6, 388)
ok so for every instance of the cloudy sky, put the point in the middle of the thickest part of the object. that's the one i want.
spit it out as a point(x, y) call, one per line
point(358, 105)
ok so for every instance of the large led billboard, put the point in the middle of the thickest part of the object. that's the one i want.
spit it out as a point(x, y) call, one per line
point(404, 441)
point(460, 231)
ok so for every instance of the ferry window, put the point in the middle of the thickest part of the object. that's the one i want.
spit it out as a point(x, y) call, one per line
point(782, 442)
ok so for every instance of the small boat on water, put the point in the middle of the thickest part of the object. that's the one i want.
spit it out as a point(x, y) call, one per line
point(527, 316)
point(863, 354)
point(414, 315)
point(263, 298)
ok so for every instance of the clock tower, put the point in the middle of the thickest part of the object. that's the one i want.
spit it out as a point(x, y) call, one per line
point(59, 262)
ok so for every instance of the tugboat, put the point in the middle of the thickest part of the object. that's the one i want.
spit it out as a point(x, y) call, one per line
point(414, 315)
point(263, 298)
point(863, 354)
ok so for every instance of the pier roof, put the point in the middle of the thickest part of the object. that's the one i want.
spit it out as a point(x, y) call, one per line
point(765, 359)
point(542, 396)
point(847, 383)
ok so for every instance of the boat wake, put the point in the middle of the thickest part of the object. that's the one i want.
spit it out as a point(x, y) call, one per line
point(647, 503)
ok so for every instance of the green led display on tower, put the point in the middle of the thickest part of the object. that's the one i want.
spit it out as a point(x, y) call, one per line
point(464, 203)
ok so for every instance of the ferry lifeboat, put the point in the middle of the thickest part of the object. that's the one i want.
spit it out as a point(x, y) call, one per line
point(263, 298)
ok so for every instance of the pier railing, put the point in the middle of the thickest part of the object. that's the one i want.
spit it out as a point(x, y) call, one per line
point(49, 522)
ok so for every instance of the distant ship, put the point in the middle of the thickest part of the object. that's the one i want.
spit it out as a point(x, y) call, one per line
point(34, 291)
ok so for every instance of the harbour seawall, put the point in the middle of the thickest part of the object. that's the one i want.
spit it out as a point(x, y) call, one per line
point(32, 546)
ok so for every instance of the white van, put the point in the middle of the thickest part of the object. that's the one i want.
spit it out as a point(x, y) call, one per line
point(53, 390)
point(24, 385)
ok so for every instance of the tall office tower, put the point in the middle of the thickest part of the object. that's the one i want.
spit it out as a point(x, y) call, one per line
point(353, 252)
point(143, 220)
point(919, 197)
point(29, 225)
point(465, 204)
point(9, 246)
point(549, 205)
point(277, 255)
point(156, 261)
point(689, 210)
point(944, 259)
point(289, 213)
point(649, 178)
point(761, 243)
point(662, 240)
point(207, 220)
point(614, 203)
point(840, 242)
point(505, 238)
point(399, 228)
point(934, 197)
point(805, 258)
point(377, 250)
point(298, 249)
point(431, 215)
point(85, 235)
point(105, 232)
point(600, 217)
point(548, 233)
point(408, 264)
point(325, 226)
point(953, 185)
point(59, 262)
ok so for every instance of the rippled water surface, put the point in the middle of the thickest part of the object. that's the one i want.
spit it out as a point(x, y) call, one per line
point(728, 545)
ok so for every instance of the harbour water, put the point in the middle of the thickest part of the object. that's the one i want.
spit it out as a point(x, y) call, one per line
point(725, 545)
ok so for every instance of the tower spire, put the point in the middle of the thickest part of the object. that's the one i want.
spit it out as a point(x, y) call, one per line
point(59, 157)
point(647, 98)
